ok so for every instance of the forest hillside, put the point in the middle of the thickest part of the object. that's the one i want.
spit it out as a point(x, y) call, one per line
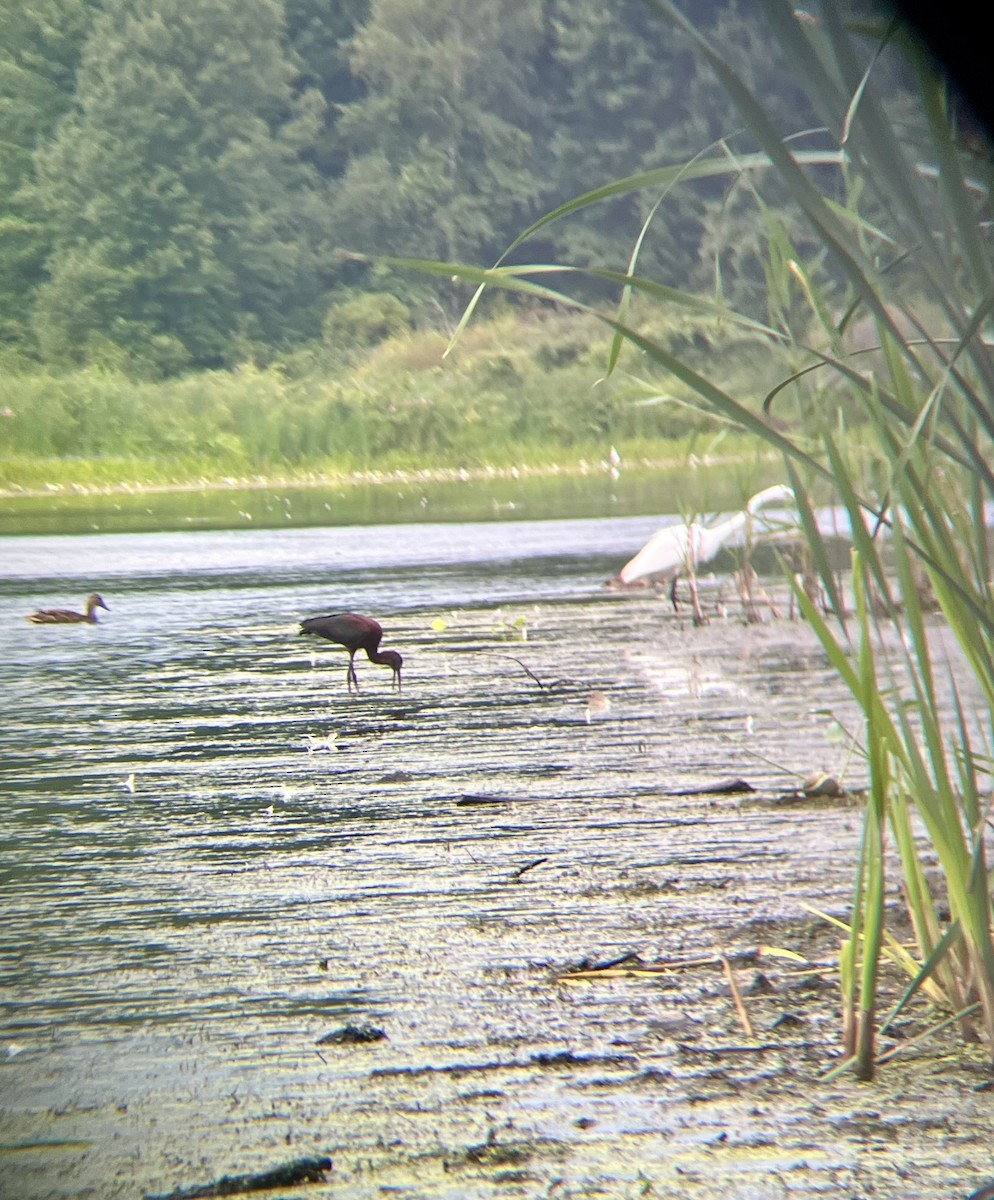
point(197, 202)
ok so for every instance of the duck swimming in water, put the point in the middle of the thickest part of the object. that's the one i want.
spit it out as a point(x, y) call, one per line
point(66, 616)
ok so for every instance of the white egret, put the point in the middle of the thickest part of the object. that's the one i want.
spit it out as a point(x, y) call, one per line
point(685, 546)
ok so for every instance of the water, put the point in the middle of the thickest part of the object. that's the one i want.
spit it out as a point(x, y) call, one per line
point(590, 493)
point(197, 684)
point(212, 854)
point(359, 568)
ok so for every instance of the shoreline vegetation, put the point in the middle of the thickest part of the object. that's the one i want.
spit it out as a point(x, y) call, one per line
point(501, 405)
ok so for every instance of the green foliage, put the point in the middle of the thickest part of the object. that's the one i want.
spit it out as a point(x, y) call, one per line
point(442, 153)
point(40, 46)
point(175, 189)
point(520, 388)
point(912, 242)
point(631, 96)
point(364, 320)
point(929, 404)
point(319, 34)
point(165, 209)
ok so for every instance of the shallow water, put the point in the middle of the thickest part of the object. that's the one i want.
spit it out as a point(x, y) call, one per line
point(590, 492)
point(212, 855)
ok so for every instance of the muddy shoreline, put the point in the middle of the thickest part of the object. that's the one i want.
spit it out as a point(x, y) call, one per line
point(547, 968)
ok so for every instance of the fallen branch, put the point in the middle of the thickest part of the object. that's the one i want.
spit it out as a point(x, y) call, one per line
point(724, 787)
point(526, 670)
point(516, 875)
point(301, 1170)
point(615, 969)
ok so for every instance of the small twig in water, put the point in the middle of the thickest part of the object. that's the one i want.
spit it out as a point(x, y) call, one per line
point(526, 670)
point(740, 1007)
point(516, 875)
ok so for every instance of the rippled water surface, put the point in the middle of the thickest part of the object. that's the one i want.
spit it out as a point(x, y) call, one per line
point(212, 855)
point(196, 684)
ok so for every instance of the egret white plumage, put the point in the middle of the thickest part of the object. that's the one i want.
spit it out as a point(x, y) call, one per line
point(684, 546)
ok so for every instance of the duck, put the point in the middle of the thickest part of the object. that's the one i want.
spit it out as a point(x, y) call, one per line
point(66, 616)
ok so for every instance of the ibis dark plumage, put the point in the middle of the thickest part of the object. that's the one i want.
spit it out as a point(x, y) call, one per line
point(66, 616)
point(355, 633)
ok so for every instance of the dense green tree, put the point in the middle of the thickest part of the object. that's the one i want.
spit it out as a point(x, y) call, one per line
point(729, 231)
point(614, 74)
point(174, 176)
point(630, 95)
point(40, 46)
point(319, 32)
point(442, 158)
point(186, 220)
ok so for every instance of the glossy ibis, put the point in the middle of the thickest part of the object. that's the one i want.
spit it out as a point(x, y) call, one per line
point(684, 546)
point(66, 616)
point(355, 633)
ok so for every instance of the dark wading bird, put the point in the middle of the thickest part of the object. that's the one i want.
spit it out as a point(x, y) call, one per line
point(66, 616)
point(355, 633)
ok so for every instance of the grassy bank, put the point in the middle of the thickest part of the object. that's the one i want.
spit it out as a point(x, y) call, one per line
point(522, 392)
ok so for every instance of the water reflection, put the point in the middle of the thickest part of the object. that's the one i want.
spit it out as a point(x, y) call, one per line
point(196, 693)
point(593, 493)
point(205, 841)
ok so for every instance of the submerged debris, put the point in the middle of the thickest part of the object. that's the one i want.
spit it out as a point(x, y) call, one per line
point(724, 787)
point(352, 1035)
point(301, 1170)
